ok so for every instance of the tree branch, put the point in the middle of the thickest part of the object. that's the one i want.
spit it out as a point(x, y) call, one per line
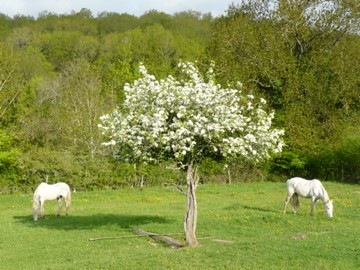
point(179, 189)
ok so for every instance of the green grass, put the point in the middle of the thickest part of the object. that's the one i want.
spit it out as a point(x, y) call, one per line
point(247, 215)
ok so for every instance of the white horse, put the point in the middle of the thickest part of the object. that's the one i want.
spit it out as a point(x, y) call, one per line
point(46, 192)
point(309, 189)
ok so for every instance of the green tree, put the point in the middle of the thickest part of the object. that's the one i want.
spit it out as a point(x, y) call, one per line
point(152, 17)
point(5, 25)
point(110, 22)
point(62, 47)
point(82, 22)
point(160, 50)
point(9, 169)
point(118, 47)
point(295, 53)
point(11, 83)
point(114, 79)
point(192, 32)
point(79, 107)
point(194, 25)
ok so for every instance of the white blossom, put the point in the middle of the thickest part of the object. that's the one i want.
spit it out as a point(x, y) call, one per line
point(182, 118)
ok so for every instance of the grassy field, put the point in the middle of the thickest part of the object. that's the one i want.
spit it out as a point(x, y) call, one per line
point(247, 216)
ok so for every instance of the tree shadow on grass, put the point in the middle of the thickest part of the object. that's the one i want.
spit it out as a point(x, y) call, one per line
point(72, 222)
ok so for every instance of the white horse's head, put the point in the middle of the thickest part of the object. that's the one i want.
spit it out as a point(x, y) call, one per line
point(329, 208)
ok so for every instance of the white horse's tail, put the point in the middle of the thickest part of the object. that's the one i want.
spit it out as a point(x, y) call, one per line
point(295, 201)
point(68, 199)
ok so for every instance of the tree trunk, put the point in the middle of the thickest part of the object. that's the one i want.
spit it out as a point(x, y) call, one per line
point(191, 212)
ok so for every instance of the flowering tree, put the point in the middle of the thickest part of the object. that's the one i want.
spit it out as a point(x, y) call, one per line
point(187, 120)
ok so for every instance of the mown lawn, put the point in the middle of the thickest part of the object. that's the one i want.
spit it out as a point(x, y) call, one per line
point(240, 226)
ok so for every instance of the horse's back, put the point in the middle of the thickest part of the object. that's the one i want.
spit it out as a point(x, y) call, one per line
point(293, 182)
point(304, 187)
point(41, 185)
point(52, 191)
point(62, 185)
point(63, 188)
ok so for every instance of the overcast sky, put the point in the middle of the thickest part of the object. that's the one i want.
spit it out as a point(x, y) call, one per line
point(133, 7)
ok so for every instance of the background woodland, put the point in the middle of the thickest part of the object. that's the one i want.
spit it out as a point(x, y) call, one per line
point(60, 72)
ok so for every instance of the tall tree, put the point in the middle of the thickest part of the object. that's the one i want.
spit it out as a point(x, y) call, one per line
point(188, 120)
point(63, 47)
point(11, 83)
point(79, 107)
point(290, 51)
point(109, 22)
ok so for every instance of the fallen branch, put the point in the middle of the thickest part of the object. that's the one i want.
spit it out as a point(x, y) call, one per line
point(165, 238)
point(113, 237)
point(124, 236)
point(168, 240)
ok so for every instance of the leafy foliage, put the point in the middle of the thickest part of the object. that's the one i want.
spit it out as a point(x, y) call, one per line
point(9, 165)
point(301, 60)
point(296, 54)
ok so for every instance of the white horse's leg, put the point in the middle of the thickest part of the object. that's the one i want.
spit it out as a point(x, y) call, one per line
point(42, 209)
point(35, 212)
point(313, 204)
point(295, 202)
point(59, 200)
point(294, 208)
point(287, 199)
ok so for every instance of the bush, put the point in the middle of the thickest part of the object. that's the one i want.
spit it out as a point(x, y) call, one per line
point(341, 163)
point(9, 167)
point(214, 171)
point(43, 164)
point(83, 172)
point(288, 164)
point(123, 174)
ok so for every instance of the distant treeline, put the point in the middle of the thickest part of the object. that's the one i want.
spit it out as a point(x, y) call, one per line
point(60, 73)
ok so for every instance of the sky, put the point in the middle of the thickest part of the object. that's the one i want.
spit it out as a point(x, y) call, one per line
point(132, 7)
